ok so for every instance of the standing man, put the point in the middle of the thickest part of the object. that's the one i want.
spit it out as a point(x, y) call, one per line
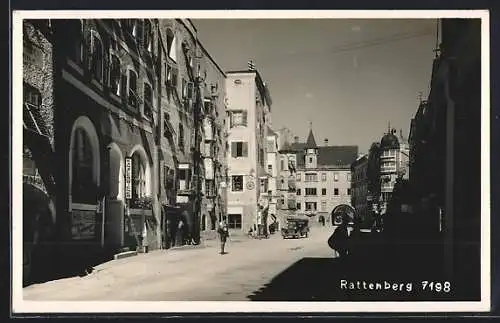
point(223, 235)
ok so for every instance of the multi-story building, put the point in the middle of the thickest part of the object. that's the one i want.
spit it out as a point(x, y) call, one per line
point(248, 107)
point(124, 124)
point(92, 93)
point(322, 177)
point(394, 164)
point(359, 188)
point(192, 135)
point(269, 183)
point(446, 149)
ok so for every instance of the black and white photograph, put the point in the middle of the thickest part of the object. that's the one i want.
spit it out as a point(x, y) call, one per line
point(320, 161)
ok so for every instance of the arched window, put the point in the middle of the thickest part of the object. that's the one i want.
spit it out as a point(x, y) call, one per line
point(138, 176)
point(96, 56)
point(83, 189)
point(132, 89)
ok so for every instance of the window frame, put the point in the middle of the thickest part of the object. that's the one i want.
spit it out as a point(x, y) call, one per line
point(94, 35)
point(233, 177)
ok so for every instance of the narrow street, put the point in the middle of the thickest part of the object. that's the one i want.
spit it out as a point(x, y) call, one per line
point(198, 274)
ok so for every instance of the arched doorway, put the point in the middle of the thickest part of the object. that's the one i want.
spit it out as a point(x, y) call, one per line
point(84, 179)
point(341, 210)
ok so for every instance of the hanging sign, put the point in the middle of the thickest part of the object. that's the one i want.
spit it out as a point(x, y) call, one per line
point(128, 178)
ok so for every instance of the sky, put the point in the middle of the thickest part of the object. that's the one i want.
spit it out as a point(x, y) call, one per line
point(348, 77)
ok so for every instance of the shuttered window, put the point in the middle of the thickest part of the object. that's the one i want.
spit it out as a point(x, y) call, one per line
point(239, 119)
point(239, 149)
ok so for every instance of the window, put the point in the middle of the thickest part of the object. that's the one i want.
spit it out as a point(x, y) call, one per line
point(181, 136)
point(83, 187)
point(238, 118)
point(210, 188)
point(132, 89)
point(335, 191)
point(183, 182)
point(310, 160)
point(171, 45)
point(323, 205)
point(298, 206)
point(336, 177)
point(311, 191)
point(115, 75)
point(311, 206)
point(311, 177)
point(297, 177)
point(148, 101)
point(147, 36)
point(239, 149)
point(323, 191)
point(234, 221)
point(270, 168)
point(282, 164)
point(298, 191)
point(323, 177)
point(96, 56)
point(270, 146)
point(261, 157)
point(138, 177)
point(348, 191)
point(237, 183)
point(75, 40)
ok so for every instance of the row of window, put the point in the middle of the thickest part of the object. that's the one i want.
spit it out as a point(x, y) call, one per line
point(311, 177)
point(313, 191)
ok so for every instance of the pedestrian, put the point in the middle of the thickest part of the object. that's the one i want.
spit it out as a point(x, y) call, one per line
point(223, 235)
point(339, 240)
point(179, 238)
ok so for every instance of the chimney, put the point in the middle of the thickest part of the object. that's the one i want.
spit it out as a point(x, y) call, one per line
point(326, 141)
point(296, 138)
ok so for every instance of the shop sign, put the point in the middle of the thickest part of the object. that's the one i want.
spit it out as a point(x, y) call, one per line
point(128, 178)
point(83, 224)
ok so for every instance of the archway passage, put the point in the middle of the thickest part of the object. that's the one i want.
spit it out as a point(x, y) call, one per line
point(342, 210)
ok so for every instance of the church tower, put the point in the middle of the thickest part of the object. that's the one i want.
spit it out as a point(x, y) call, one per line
point(311, 151)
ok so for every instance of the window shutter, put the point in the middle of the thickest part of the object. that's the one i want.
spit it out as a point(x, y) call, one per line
point(245, 149)
point(244, 117)
point(233, 149)
point(230, 120)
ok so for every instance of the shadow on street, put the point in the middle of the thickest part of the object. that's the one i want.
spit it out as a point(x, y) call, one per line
point(396, 272)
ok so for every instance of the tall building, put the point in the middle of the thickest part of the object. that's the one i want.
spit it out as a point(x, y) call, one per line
point(249, 106)
point(321, 179)
point(359, 188)
point(446, 148)
point(394, 164)
point(269, 183)
point(192, 131)
point(124, 136)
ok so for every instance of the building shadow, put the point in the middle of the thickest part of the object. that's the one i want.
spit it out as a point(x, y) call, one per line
point(372, 273)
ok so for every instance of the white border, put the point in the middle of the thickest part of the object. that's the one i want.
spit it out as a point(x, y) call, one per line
point(21, 306)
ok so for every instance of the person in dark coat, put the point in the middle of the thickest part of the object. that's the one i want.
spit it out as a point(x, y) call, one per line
point(339, 240)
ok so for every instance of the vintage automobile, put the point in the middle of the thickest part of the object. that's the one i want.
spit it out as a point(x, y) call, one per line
point(295, 227)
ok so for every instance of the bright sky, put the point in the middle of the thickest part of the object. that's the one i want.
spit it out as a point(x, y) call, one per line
point(349, 77)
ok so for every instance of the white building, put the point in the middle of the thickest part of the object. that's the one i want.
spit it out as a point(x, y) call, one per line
point(248, 111)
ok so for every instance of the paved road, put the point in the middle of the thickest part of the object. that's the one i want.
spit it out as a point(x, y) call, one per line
point(199, 274)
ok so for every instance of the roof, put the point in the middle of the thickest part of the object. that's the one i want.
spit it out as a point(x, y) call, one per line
point(389, 141)
point(337, 155)
point(310, 143)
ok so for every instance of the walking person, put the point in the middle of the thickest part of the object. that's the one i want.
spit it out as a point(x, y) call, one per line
point(223, 235)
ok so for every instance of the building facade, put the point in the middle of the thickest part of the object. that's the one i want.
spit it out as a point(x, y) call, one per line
point(248, 106)
point(359, 188)
point(124, 124)
point(322, 177)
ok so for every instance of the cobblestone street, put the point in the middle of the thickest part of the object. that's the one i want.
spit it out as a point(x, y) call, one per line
point(188, 274)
